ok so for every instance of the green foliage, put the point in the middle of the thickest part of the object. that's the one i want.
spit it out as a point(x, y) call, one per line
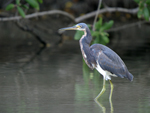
point(18, 2)
point(25, 6)
point(107, 26)
point(78, 35)
point(99, 35)
point(9, 7)
point(40, 1)
point(33, 3)
point(144, 9)
point(21, 12)
point(20, 6)
point(146, 13)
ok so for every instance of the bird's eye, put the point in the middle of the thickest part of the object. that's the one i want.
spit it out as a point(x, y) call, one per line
point(79, 26)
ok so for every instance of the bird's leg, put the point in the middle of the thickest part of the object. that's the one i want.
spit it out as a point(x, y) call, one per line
point(102, 91)
point(101, 106)
point(111, 91)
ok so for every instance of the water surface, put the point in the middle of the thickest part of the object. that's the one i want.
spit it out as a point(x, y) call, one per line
point(59, 82)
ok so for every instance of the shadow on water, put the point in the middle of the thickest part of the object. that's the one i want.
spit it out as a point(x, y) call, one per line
point(54, 81)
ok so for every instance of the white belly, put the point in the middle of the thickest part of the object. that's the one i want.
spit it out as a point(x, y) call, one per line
point(107, 75)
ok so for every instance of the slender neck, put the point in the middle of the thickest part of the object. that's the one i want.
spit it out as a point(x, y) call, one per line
point(86, 38)
point(85, 48)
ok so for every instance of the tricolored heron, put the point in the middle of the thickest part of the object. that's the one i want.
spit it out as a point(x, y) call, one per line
point(100, 57)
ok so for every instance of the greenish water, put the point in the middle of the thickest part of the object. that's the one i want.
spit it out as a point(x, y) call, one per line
point(58, 82)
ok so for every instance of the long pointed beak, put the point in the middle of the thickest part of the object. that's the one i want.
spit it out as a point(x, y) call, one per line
point(68, 28)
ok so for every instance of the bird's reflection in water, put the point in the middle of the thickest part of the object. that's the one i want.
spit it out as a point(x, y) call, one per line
point(96, 80)
point(110, 97)
point(110, 101)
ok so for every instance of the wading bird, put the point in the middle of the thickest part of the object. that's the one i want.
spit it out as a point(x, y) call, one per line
point(100, 57)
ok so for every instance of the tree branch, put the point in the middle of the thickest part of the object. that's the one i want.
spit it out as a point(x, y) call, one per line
point(107, 9)
point(95, 19)
point(26, 28)
point(51, 12)
point(75, 20)
point(126, 26)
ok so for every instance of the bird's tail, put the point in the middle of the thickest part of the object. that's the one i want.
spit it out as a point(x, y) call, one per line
point(130, 76)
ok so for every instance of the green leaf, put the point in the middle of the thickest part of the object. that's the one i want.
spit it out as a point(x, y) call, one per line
point(40, 1)
point(98, 24)
point(137, 1)
point(18, 2)
point(148, 9)
point(96, 40)
point(147, 1)
point(78, 35)
point(105, 39)
point(104, 34)
point(141, 4)
point(146, 13)
point(107, 26)
point(140, 13)
point(33, 3)
point(25, 6)
point(95, 33)
point(21, 12)
point(9, 7)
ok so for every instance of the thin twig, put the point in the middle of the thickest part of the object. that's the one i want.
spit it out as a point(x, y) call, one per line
point(95, 19)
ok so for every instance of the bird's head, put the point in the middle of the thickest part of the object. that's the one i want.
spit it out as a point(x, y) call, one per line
point(80, 27)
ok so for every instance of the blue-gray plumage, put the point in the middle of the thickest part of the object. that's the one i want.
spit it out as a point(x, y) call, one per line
point(110, 61)
point(98, 56)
